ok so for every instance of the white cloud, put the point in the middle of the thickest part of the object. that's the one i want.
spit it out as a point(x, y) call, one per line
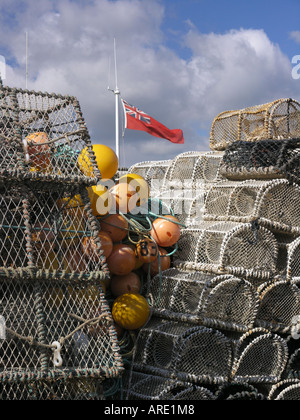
point(70, 43)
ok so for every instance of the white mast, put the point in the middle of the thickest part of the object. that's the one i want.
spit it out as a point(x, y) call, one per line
point(116, 93)
point(26, 83)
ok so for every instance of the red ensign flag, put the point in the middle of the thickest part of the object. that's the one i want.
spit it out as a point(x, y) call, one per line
point(135, 119)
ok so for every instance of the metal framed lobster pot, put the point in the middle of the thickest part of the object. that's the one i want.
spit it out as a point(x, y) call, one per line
point(150, 387)
point(242, 249)
point(273, 121)
point(49, 233)
point(58, 340)
point(224, 302)
point(176, 350)
point(293, 261)
point(274, 204)
point(264, 159)
point(42, 136)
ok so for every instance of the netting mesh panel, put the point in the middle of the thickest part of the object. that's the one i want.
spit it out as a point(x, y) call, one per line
point(263, 159)
point(286, 390)
point(42, 135)
point(207, 167)
point(182, 167)
point(150, 387)
point(276, 120)
point(275, 203)
point(222, 302)
point(228, 247)
point(84, 389)
point(191, 354)
point(293, 261)
point(76, 315)
point(279, 304)
point(49, 233)
point(260, 357)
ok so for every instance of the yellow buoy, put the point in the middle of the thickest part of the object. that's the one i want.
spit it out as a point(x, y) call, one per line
point(131, 311)
point(106, 159)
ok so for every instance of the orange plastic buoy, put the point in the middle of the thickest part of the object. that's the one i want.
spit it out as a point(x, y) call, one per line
point(116, 226)
point(147, 250)
point(121, 195)
point(131, 311)
point(89, 247)
point(39, 155)
point(165, 232)
point(164, 261)
point(122, 260)
point(130, 283)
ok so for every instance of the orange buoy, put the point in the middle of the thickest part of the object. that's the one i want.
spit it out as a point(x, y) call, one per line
point(39, 153)
point(116, 226)
point(165, 232)
point(130, 283)
point(131, 311)
point(121, 260)
point(164, 261)
point(121, 195)
point(147, 250)
point(89, 247)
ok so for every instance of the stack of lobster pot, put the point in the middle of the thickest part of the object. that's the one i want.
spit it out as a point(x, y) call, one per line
point(226, 316)
point(57, 337)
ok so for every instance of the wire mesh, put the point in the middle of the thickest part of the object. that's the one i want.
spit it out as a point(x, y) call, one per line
point(275, 204)
point(293, 261)
point(263, 159)
point(286, 390)
point(42, 136)
point(228, 248)
point(275, 120)
point(224, 302)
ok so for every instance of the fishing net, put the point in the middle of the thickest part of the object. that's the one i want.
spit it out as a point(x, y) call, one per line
point(262, 160)
point(275, 204)
point(273, 121)
point(224, 302)
point(150, 387)
point(286, 390)
point(42, 136)
point(228, 248)
point(239, 391)
point(50, 234)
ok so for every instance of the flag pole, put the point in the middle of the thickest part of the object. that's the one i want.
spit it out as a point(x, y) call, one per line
point(116, 92)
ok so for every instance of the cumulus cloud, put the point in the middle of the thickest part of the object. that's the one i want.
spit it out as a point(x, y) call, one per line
point(70, 43)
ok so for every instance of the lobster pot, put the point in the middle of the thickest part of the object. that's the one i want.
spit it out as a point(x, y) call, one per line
point(260, 357)
point(49, 234)
point(176, 350)
point(286, 390)
point(195, 208)
point(42, 136)
point(55, 330)
point(154, 173)
point(207, 168)
point(293, 261)
point(239, 391)
point(262, 160)
point(150, 387)
point(279, 306)
point(229, 248)
point(276, 204)
point(224, 302)
point(273, 121)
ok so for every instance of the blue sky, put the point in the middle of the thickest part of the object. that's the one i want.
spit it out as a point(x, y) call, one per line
point(181, 61)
